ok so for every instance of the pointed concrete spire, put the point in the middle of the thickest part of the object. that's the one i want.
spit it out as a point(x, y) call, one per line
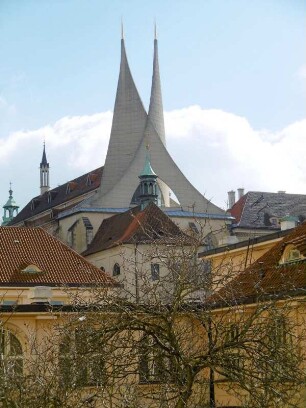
point(129, 121)
point(156, 113)
point(122, 30)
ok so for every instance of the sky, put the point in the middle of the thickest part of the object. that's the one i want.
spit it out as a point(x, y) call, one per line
point(233, 78)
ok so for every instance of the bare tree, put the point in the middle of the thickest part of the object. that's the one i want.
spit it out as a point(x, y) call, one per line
point(174, 341)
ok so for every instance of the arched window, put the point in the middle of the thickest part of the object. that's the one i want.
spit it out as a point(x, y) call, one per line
point(11, 361)
point(116, 269)
point(291, 254)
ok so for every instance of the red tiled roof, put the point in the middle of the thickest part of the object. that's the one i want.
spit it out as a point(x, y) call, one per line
point(20, 247)
point(236, 210)
point(267, 277)
point(137, 226)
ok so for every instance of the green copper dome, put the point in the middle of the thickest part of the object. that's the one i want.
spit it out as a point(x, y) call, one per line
point(9, 208)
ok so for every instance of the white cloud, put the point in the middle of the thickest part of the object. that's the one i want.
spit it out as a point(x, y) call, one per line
point(221, 151)
point(218, 151)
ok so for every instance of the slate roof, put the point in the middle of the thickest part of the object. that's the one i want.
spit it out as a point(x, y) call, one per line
point(60, 195)
point(256, 209)
point(267, 277)
point(59, 265)
point(137, 226)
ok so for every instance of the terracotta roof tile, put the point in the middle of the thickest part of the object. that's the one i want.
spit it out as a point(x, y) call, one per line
point(267, 277)
point(137, 226)
point(21, 246)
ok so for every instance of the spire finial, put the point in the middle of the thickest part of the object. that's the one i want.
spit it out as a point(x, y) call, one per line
point(122, 31)
point(10, 190)
point(155, 30)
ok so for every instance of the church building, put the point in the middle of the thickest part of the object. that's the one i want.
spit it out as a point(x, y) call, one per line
point(74, 211)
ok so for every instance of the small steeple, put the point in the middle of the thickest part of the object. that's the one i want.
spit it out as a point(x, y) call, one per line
point(10, 208)
point(148, 183)
point(44, 173)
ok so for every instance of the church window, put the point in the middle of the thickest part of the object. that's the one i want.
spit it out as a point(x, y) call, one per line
point(71, 238)
point(89, 230)
point(89, 236)
point(116, 269)
point(154, 271)
point(11, 362)
point(193, 227)
point(71, 235)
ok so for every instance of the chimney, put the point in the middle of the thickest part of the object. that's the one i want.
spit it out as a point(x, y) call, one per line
point(240, 193)
point(231, 198)
point(41, 295)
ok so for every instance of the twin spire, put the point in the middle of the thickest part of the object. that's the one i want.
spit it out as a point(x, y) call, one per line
point(132, 129)
point(130, 120)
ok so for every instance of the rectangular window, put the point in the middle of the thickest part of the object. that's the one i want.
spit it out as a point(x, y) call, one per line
point(9, 302)
point(154, 363)
point(81, 359)
point(155, 271)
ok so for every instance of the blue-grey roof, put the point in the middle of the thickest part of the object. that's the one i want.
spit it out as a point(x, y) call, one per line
point(257, 209)
point(167, 211)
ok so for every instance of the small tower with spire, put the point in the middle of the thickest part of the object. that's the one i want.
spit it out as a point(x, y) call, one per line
point(10, 208)
point(148, 184)
point(44, 173)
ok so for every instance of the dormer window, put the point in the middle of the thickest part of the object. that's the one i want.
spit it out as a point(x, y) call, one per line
point(34, 204)
point(116, 269)
point(274, 221)
point(291, 254)
point(71, 186)
point(51, 196)
point(31, 269)
point(90, 179)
